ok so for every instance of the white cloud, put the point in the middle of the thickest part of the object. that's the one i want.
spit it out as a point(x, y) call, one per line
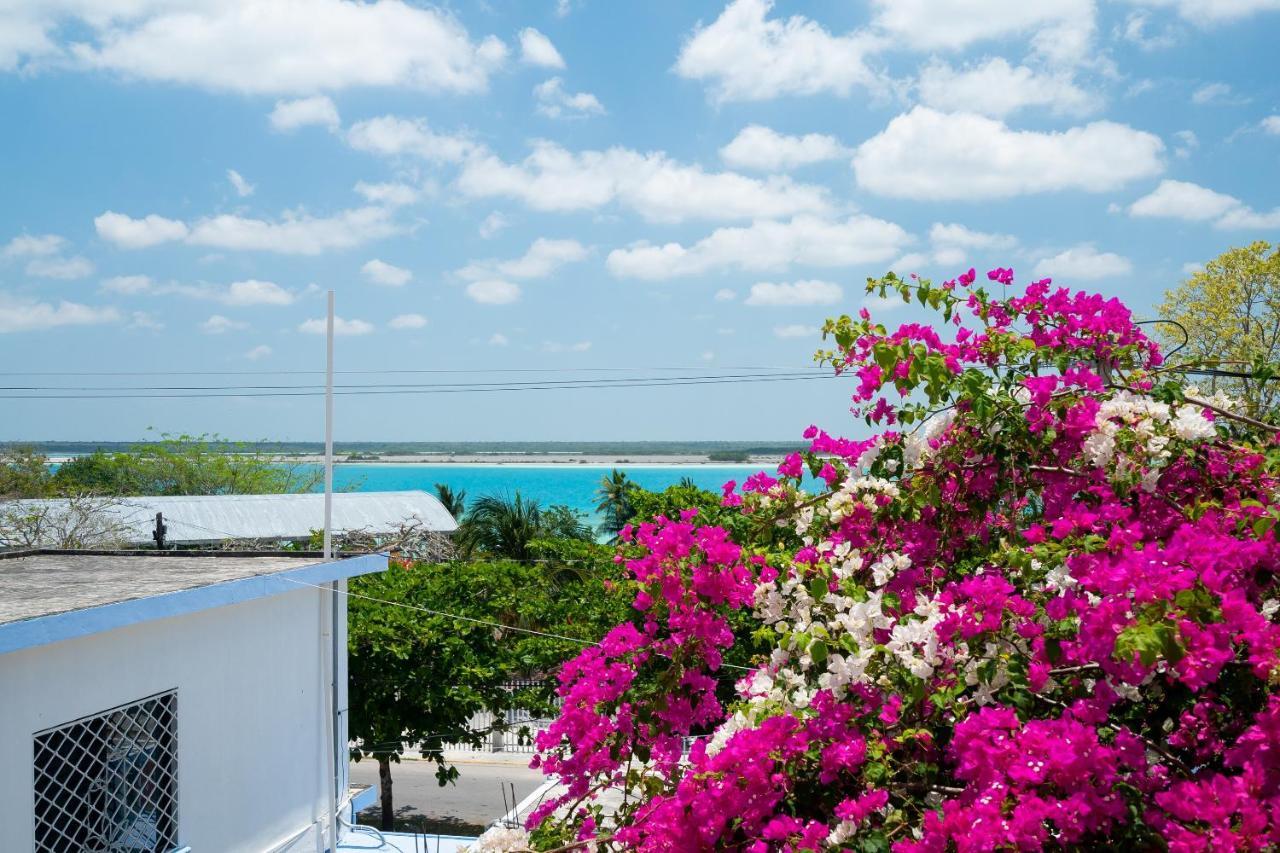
point(556, 346)
point(657, 187)
point(291, 47)
point(259, 352)
point(952, 24)
point(1187, 142)
point(492, 224)
point(766, 246)
point(217, 324)
point(1247, 218)
point(1084, 263)
point(390, 194)
point(408, 321)
point(33, 245)
point(493, 292)
point(810, 292)
point(128, 284)
point(926, 154)
point(129, 233)
point(1135, 31)
point(381, 272)
point(237, 294)
point(543, 257)
point(995, 88)
point(295, 234)
point(1190, 268)
point(19, 314)
point(64, 268)
point(554, 102)
point(497, 339)
point(341, 326)
point(724, 294)
point(144, 320)
point(1271, 124)
point(303, 112)
point(745, 56)
point(243, 188)
point(392, 136)
point(537, 49)
point(796, 331)
point(759, 147)
point(953, 243)
point(1216, 93)
point(1211, 12)
point(1183, 200)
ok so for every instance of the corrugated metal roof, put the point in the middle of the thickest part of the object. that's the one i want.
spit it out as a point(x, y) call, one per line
point(209, 518)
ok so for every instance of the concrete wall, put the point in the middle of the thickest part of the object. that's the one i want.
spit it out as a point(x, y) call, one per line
point(252, 753)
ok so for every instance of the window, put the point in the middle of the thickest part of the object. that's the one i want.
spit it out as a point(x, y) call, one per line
point(109, 783)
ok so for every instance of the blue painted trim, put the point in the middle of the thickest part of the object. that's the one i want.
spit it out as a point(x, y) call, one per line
point(363, 800)
point(94, 620)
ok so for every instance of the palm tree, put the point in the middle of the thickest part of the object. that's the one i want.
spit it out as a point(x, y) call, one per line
point(454, 502)
point(615, 502)
point(501, 526)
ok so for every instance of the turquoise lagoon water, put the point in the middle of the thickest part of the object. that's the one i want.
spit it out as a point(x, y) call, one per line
point(572, 485)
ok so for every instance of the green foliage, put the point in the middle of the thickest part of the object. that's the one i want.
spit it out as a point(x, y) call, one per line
point(614, 503)
point(729, 456)
point(1231, 313)
point(503, 526)
point(24, 473)
point(183, 465)
point(673, 500)
point(454, 502)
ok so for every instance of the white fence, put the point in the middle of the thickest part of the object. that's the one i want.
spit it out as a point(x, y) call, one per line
point(517, 730)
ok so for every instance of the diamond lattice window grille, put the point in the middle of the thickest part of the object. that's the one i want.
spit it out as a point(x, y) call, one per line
point(109, 783)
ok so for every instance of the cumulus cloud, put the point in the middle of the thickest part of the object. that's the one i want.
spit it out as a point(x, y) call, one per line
point(238, 294)
point(1271, 124)
point(317, 110)
point(128, 284)
point(1213, 12)
point(405, 322)
point(1084, 263)
point(543, 257)
point(129, 233)
point(995, 88)
point(926, 154)
point(1216, 93)
point(1183, 200)
point(294, 234)
point(217, 324)
point(652, 184)
point(492, 224)
point(288, 48)
point(341, 326)
point(63, 268)
point(258, 353)
point(554, 102)
point(766, 246)
point(497, 339)
point(393, 136)
point(810, 292)
point(388, 275)
point(242, 187)
point(762, 148)
point(493, 292)
point(19, 314)
point(955, 24)
point(746, 56)
point(537, 49)
point(33, 245)
point(724, 294)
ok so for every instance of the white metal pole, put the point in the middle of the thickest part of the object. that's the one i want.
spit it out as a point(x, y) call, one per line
point(328, 434)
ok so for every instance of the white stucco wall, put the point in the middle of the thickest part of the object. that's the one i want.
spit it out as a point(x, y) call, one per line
point(251, 746)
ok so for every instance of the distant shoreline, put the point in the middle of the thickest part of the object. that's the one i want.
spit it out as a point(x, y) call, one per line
point(551, 460)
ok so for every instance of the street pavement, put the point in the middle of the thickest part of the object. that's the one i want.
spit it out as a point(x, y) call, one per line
point(465, 807)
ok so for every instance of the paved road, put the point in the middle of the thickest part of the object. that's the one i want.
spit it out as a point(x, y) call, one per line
point(463, 808)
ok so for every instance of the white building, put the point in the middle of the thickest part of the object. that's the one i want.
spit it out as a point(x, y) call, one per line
point(172, 701)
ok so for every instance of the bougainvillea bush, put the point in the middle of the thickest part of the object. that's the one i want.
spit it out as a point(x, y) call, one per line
point(1035, 611)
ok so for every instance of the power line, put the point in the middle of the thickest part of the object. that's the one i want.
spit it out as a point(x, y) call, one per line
point(107, 394)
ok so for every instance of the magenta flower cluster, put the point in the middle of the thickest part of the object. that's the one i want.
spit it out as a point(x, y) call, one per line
point(1038, 611)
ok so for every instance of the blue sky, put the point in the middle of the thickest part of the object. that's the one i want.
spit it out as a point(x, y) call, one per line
point(579, 184)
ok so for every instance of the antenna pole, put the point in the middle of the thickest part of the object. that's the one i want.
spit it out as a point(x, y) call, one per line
point(328, 434)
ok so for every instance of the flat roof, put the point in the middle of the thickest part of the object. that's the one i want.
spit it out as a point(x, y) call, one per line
point(47, 596)
point(211, 518)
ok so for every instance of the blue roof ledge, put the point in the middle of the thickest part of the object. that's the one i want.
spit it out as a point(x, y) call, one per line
point(41, 630)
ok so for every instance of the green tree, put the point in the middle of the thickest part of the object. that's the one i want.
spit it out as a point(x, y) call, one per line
point(418, 678)
point(24, 472)
point(501, 526)
point(454, 501)
point(1231, 313)
point(614, 503)
point(185, 465)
